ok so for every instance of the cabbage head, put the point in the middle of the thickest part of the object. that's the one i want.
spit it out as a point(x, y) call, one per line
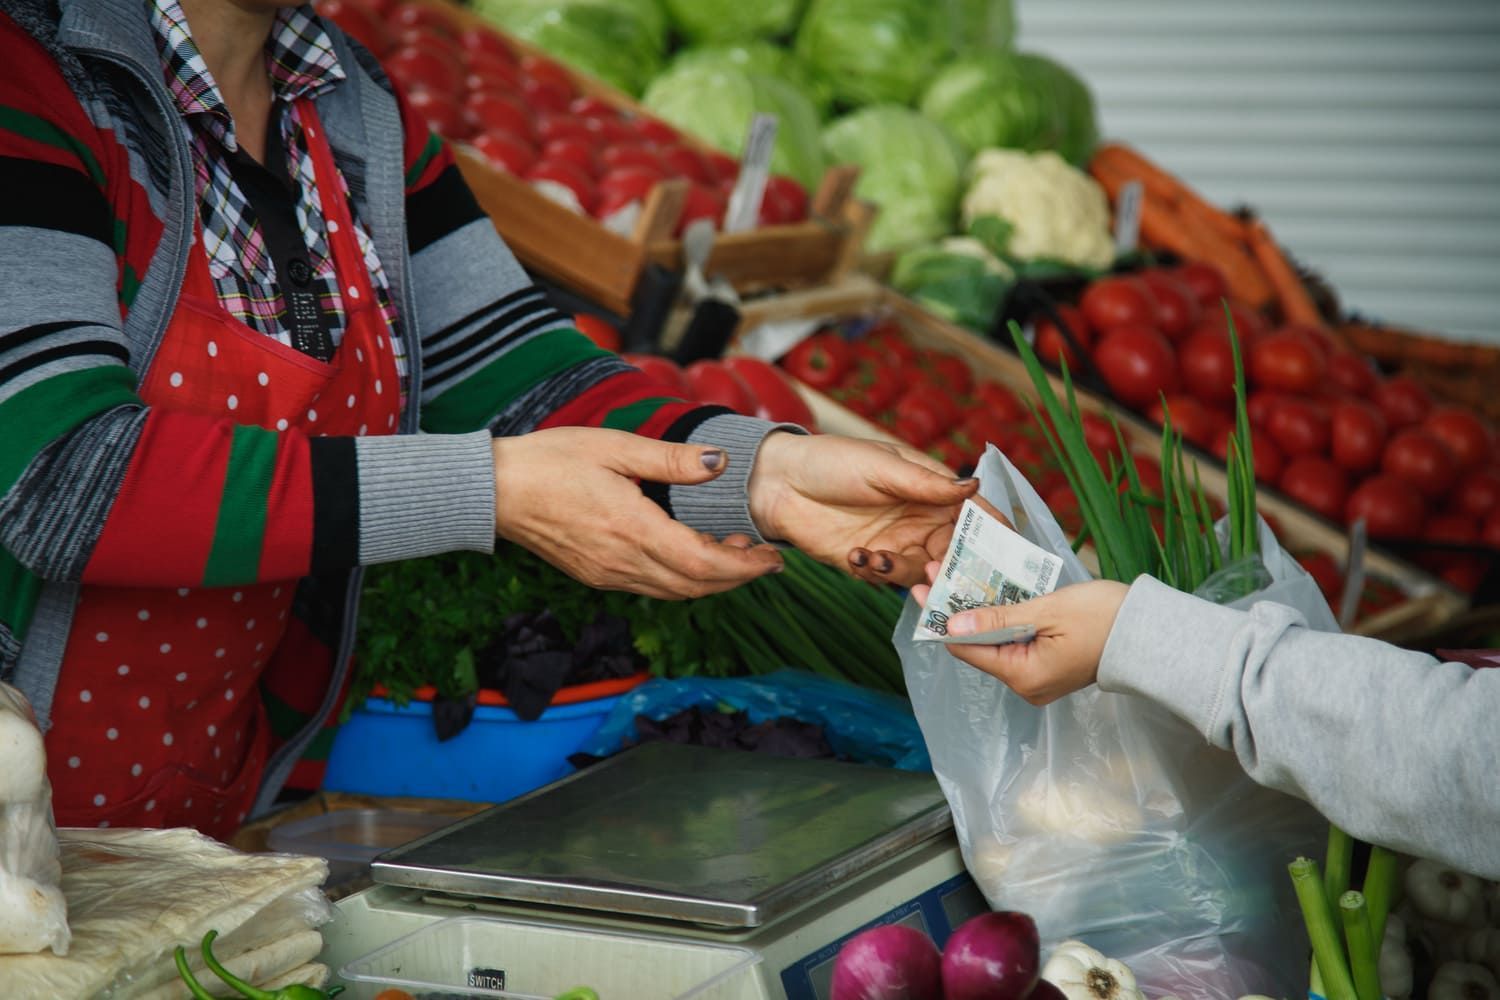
point(708, 21)
point(715, 102)
point(980, 25)
point(909, 166)
point(874, 51)
point(1013, 100)
point(615, 40)
point(957, 278)
point(765, 58)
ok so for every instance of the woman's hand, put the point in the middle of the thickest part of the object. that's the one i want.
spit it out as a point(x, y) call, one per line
point(1072, 625)
point(570, 495)
point(881, 511)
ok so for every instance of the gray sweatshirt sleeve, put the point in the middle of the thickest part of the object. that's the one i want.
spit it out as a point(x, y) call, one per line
point(1391, 745)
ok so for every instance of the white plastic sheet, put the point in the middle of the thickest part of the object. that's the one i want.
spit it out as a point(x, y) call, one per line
point(1107, 818)
point(33, 912)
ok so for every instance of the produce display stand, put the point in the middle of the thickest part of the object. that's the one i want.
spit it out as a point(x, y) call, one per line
point(1428, 604)
point(580, 253)
point(1451, 370)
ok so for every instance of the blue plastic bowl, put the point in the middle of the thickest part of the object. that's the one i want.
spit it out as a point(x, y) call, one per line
point(385, 749)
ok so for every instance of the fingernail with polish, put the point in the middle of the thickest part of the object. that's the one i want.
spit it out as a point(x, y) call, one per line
point(964, 480)
point(859, 559)
point(961, 625)
point(712, 460)
point(883, 565)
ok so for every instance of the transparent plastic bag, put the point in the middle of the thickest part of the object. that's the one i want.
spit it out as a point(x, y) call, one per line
point(33, 912)
point(1107, 818)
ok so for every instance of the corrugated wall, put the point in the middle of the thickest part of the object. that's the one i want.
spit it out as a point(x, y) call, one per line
point(1367, 133)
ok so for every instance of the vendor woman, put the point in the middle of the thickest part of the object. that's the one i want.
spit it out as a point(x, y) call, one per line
point(255, 334)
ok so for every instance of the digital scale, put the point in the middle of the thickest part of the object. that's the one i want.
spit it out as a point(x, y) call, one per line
point(664, 873)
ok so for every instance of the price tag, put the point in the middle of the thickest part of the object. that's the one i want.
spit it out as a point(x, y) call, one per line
point(770, 341)
point(1128, 217)
point(755, 168)
point(1354, 574)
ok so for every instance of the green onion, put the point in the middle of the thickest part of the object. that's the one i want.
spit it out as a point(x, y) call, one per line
point(1380, 886)
point(1363, 963)
point(1328, 952)
point(1337, 863)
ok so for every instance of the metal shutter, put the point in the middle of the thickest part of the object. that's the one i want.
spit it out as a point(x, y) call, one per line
point(1366, 132)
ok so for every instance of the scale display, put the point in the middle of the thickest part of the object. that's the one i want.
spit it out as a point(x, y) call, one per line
point(716, 837)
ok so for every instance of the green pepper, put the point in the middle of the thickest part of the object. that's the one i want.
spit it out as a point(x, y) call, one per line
point(294, 992)
point(578, 993)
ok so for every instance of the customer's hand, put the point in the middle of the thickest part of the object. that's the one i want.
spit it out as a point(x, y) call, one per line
point(879, 511)
point(571, 495)
point(1072, 625)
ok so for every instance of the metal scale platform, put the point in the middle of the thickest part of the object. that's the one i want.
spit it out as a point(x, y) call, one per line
point(664, 873)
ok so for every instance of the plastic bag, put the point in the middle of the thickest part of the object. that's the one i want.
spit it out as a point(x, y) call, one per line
point(33, 912)
point(867, 726)
point(1107, 818)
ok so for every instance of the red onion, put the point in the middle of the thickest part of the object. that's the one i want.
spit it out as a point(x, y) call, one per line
point(994, 956)
point(893, 962)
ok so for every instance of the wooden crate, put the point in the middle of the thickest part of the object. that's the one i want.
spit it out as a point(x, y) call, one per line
point(578, 252)
point(1429, 602)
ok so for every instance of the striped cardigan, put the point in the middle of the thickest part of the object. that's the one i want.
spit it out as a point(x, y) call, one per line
point(97, 207)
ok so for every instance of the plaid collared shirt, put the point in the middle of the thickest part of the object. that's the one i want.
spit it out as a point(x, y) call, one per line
point(300, 58)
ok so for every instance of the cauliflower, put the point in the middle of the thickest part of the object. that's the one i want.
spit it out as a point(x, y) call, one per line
point(1053, 210)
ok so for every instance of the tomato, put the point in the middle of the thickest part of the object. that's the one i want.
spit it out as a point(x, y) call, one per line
point(545, 95)
point(421, 68)
point(1063, 504)
point(655, 130)
point(1298, 427)
point(1000, 401)
point(1455, 529)
point(1420, 459)
point(950, 370)
point(578, 152)
point(601, 331)
point(1207, 362)
point(1318, 484)
point(1050, 343)
point(1099, 435)
point(1489, 535)
point(1287, 361)
point(1249, 326)
point(684, 161)
point(1403, 401)
point(1111, 302)
point(785, 201)
point(724, 167)
point(491, 76)
point(478, 42)
point(630, 155)
point(439, 43)
point(702, 202)
point(661, 370)
point(391, 993)
point(441, 110)
point(560, 178)
point(550, 127)
point(983, 427)
point(554, 74)
point(420, 15)
point(927, 411)
point(1353, 373)
point(712, 383)
point(820, 361)
point(1259, 403)
point(775, 399)
point(1359, 433)
point(1477, 493)
point(1149, 471)
point(1177, 307)
point(1464, 572)
point(1193, 420)
point(1265, 454)
point(487, 111)
point(876, 386)
point(954, 454)
point(1391, 508)
point(505, 151)
point(1205, 281)
point(1468, 438)
point(1325, 573)
point(623, 186)
point(1137, 363)
point(358, 22)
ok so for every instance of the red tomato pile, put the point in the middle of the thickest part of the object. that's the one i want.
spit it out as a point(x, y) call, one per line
point(524, 114)
point(747, 386)
point(1328, 430)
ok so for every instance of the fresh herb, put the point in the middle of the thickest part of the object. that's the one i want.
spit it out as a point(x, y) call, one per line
point(430, 621)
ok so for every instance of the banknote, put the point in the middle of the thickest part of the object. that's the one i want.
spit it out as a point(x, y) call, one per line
point(986, 564)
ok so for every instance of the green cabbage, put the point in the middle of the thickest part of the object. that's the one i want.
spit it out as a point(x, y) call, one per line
point(765, 58)
point(733, 20)
point(980, 25)
point(909, 165)
point(874, 51)
point(957, 278)
point(622, 42)
point(715, 102)
point(1014, 100)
